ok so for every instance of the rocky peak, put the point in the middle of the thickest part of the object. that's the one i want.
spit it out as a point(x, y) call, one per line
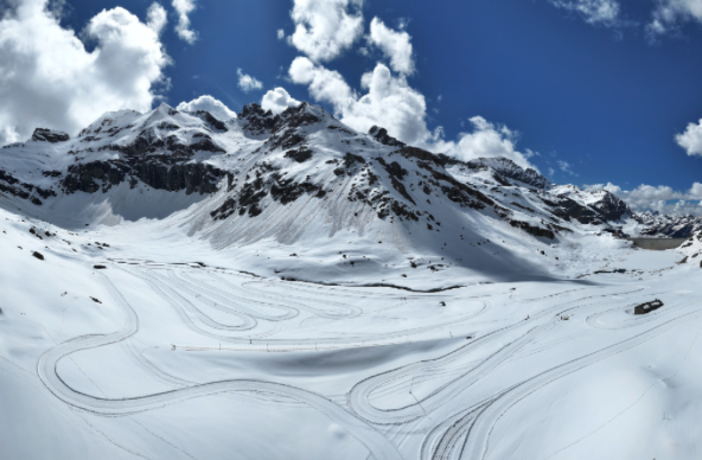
point(213, 123)
point(611, 207)
point(381, 135)
point(165, 109)
point(48, 135)
point(255, 120)
point(509, 169)
point(303, 115)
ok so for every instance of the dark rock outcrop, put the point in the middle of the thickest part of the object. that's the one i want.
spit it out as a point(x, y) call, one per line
point(102, 175)
point(381, 135)
point(48, 135)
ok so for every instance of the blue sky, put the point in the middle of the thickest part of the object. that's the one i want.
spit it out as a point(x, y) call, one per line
point(587, 91)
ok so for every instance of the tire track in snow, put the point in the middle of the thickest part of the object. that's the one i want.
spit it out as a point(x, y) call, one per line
point(379, 446)
point(479, 432)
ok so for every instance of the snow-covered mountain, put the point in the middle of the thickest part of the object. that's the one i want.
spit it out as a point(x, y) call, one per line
point(655, 224)
point(296, 179)
point(265, 164)
point(153, 306)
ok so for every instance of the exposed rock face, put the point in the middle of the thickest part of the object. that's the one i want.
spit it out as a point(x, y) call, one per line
point(259, 122)
point(14, 187)
point(152, 142)
point(612, 208)
point(510, 170)
point(657, 225)
point(381, 135)
point(47, 135)
point(304, 158)
point(102, 175)
point(213, 123)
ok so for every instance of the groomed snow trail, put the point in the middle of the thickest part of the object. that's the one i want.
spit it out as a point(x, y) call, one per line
point(413, 376)
point(377, 444)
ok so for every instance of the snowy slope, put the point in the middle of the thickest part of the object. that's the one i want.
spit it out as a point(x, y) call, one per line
point(267, 368)
point(177, 286)
point(288, 182)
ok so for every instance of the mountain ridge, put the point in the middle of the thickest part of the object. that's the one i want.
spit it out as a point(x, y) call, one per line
point(261, 163)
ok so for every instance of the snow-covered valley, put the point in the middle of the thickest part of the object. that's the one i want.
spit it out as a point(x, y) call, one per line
point(416, 309)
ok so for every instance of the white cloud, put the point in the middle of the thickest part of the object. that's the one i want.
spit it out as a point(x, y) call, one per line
point(209, 104)
point(325, 28)
point(156, 18)
point(247, 82)
point(691, 139)
point(661, 198)
point(695, 192)
point(324, 84)
point(566, 167)
point(395, 45)
point(281, 34)
point(50, 80)
point(391, 103)
point(184, 8)
point(595, 12)
point(487, 140)
point(277, 100)
point(669, 13)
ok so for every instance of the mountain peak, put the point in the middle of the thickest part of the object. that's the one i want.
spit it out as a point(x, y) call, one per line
point(511, 170)
point(49, 135)
point(381, 135)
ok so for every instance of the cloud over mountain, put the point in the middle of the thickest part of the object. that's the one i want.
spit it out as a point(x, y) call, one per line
point(247, 82)
point(277, 100)
point(691, 139)
point(396, 46)
point(51, 80)
point(209, 104)
point(326, 28)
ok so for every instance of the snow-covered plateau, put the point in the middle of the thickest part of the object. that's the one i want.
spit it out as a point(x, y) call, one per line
point(175, 286)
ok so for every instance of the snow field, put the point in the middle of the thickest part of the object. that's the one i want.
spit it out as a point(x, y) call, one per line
point(267, 368)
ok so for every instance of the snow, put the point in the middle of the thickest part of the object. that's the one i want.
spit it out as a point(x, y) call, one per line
point(265, 368)
point(318, 330)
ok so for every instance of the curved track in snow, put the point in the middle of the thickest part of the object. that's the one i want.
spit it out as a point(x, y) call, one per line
point(443, 407)
point(377, 444)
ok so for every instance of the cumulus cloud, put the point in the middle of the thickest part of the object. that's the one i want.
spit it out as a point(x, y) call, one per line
point(386, 99)
point(487, 140)
point(395, 45)
point(325, 28)
point(281, 34)
point(156, 18)
point(661, 198)
point(48, 78)
point(691, 139)
point(324, 84)
point(209, 104)
point(277, 100)
point(595, 12)
point(247, 82)
point(390, 102)
point(184, 8)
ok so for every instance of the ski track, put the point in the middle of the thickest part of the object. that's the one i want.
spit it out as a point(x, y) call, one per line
point(376, 443)
point(451, 422)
